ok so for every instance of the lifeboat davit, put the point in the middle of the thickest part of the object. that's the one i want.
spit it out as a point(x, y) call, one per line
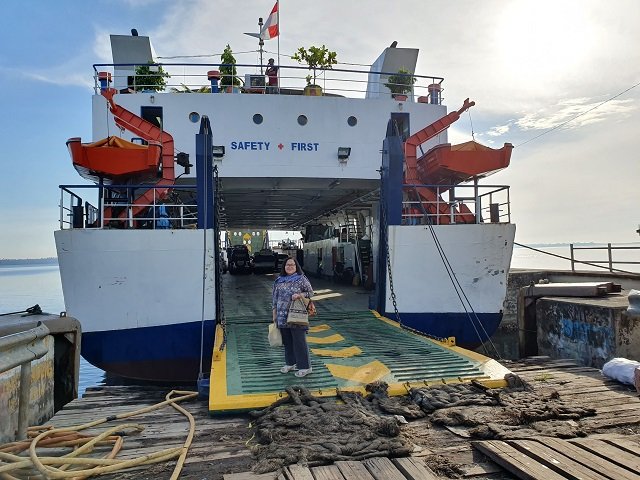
point(115, 160)
point(448, 164)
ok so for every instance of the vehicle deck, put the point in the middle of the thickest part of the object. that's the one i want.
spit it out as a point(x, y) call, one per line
point(611, 449)
point(349, 349)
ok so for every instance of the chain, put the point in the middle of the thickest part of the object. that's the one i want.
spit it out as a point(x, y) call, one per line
point(216, 230)
point(386, 244)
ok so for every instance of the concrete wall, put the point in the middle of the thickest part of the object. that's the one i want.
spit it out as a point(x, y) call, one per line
point(41, 398)
point(515, 281)
point(590, 330)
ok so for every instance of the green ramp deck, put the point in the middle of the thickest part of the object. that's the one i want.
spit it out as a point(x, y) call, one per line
point(348, 351)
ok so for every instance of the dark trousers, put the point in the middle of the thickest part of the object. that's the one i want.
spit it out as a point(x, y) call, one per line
point(296, 351)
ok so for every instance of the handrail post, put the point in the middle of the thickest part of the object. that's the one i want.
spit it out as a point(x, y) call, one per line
point(437, 205)
point(610, 257)
point(573, 270)
point(25, 393)
point(478, 202)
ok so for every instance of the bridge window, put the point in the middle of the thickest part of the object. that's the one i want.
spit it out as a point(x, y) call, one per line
point(257, 119)
point(302, 120)
point(352, 121)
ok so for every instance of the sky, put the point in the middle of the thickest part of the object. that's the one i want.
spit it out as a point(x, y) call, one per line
point(531, 66)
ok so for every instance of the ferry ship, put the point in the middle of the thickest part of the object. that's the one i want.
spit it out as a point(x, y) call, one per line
point(386, 205)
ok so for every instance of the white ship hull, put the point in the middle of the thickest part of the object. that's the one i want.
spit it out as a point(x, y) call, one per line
point(139, 296)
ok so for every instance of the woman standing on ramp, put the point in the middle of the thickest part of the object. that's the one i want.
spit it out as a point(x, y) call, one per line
point(289, 286)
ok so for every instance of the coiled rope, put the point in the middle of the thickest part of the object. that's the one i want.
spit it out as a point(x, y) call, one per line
point(56, 467)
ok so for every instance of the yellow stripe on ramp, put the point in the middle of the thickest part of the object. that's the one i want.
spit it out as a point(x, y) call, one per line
point(319, 328)
point(342, 353)
point(365, 374)
point(326, 340)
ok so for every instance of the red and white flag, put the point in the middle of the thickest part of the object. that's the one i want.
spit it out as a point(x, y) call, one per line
point(270, 28)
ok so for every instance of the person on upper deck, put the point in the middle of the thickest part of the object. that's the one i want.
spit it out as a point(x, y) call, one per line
point(272, 75)
point(290, 285)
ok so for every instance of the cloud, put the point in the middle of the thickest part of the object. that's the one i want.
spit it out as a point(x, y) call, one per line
point(576, 112)
point(55, 76)
point(498, 130)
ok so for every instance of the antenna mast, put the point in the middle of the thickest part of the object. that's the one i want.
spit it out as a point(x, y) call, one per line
point(260, 43)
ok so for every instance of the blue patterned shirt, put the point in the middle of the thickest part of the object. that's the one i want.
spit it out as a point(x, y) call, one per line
point(283, 288)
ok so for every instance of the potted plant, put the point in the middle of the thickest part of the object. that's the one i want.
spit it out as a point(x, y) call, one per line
point(400, 84)
point(149, 78)
point(316, 58)
point(229, 82)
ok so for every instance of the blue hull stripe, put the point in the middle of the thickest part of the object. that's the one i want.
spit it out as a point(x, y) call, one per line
point(134, 352)
point(456, 324)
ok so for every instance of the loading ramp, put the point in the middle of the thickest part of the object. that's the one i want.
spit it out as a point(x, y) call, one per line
point(348, 351)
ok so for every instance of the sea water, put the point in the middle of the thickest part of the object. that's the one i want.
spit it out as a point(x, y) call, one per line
point(23, 286)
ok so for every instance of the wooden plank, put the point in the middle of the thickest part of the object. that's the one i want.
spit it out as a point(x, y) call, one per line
point(626, 444)
point(615, 455)
point(327, 472)
point(382, 468)
point(562, 464)
point(353, 470)
point(619, 407)
point(516, 462)
point(298, 472)
point(570, 392)
point(414, 469)
point(604, 402)
point(482, 469)
point(602, 421)
point(249, 476)
point(595, 462)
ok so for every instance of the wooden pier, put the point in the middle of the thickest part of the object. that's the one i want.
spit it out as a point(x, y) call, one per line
point(610, 449)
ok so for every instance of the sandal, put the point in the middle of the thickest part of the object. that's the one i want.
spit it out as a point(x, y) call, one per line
point(303, 372)
point(288, 368)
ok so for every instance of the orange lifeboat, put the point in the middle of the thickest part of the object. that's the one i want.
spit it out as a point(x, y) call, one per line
point(115, 160)
point(448, 164)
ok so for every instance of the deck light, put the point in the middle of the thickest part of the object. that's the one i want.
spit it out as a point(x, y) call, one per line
point(343, 154)
point(218, 151)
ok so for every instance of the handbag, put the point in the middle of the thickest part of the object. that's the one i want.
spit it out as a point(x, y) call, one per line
point(275, 337)
point(298, 314)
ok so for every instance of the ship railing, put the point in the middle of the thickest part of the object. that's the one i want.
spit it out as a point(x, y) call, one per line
point(610, 249)
point(292, 79)
point(117, 209)
point(456, 204)
point(74, 211)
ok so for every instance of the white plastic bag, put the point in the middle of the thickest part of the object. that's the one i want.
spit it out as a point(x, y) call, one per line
point(275, 338)
point(621, 369)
